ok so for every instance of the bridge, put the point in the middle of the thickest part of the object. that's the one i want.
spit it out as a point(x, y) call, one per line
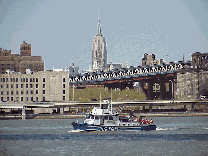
point(61, 105)
point(164, 75)
point(127, 73)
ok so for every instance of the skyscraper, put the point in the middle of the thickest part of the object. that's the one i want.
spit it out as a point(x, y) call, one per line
point(99, 52)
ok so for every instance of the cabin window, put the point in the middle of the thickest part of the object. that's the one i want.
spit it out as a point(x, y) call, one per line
point(110, 118)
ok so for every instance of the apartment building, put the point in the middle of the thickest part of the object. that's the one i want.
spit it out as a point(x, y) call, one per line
point(20, 62)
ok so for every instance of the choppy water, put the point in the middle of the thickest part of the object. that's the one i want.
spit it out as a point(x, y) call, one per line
point(174, 136)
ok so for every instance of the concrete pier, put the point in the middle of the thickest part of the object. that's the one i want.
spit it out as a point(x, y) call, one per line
point(23, 113)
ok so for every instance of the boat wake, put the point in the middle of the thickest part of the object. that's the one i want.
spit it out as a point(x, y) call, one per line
point(165, 129)
point(161, 129)
point(76, 131)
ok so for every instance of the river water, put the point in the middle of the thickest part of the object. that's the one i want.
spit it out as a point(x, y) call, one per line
point(174, 136)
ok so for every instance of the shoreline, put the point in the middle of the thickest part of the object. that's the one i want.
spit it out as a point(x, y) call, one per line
point(36, 117)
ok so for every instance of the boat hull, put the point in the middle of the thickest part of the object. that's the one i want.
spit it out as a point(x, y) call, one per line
point(91, 127)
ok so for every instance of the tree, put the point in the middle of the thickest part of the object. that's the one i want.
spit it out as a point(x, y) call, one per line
point(91, 93)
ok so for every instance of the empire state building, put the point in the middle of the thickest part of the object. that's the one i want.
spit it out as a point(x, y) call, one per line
point(99, 52)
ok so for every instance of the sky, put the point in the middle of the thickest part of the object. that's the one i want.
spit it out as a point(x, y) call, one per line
point(62, 31)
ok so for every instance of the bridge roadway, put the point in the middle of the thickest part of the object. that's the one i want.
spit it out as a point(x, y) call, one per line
point(59, 105)
point(128, 73)
point(8, 105)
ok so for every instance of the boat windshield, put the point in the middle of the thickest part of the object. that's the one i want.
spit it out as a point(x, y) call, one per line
point(89, 116)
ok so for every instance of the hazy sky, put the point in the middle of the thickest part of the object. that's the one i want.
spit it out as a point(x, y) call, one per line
point(62, 31)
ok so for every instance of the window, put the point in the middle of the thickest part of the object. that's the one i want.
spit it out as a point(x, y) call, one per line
point(63, 79)
point(16, 85)
point(36, 79)
point(31, 85)
point(11, 92)
point(63, 91)
point(36, 85)
point(31, 98)
point(17, 92)
point(36, 91)
point(31, 92)
point(26, 85)
point(6, 79)
point(63, 97)
point(1, 86)
point(43, 91)
point(63, 85)
point(21, 98)
point(23, 79)
point(2, 99)
point(33, 79)
point(43, 79)
point(30, 79)
point(11, 85)
point(43, 98)
point(17, 98)
point(2, 92)
point(26, 91)
point(36, 98)
point(21, 92)
point(43, 85)
point(26, 98)
point(26, 79)
point(21, 85)
point(3, 79)
point(12, 99)
point(7, 98)
point(7, 86)
point(110, 118)
point(7, 92)
point(11, 80)
point(16, 79)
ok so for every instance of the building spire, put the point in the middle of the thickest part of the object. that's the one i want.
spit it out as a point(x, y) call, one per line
point(99, 28)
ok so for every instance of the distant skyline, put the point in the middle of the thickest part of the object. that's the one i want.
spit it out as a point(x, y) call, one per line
point(62, 31)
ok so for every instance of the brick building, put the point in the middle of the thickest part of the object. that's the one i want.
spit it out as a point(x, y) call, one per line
point(200, 59)
point(192, 82)
point(20, 62)
point(150, 60)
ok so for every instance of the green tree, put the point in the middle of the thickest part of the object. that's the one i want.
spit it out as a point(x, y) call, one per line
point(88, 94)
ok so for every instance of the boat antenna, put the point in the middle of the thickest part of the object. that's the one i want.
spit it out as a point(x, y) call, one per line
point(100, 99)
point(111, 102)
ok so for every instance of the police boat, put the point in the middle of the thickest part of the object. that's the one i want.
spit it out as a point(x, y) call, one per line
point(103, 118)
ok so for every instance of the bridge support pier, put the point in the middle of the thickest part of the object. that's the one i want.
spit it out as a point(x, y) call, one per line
point(143, 109)
point(62, 110)
point(150, 108)
point(58, 110)
point(162, 90)
point(185, 109)
point(192, 107)
point(23, 113)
